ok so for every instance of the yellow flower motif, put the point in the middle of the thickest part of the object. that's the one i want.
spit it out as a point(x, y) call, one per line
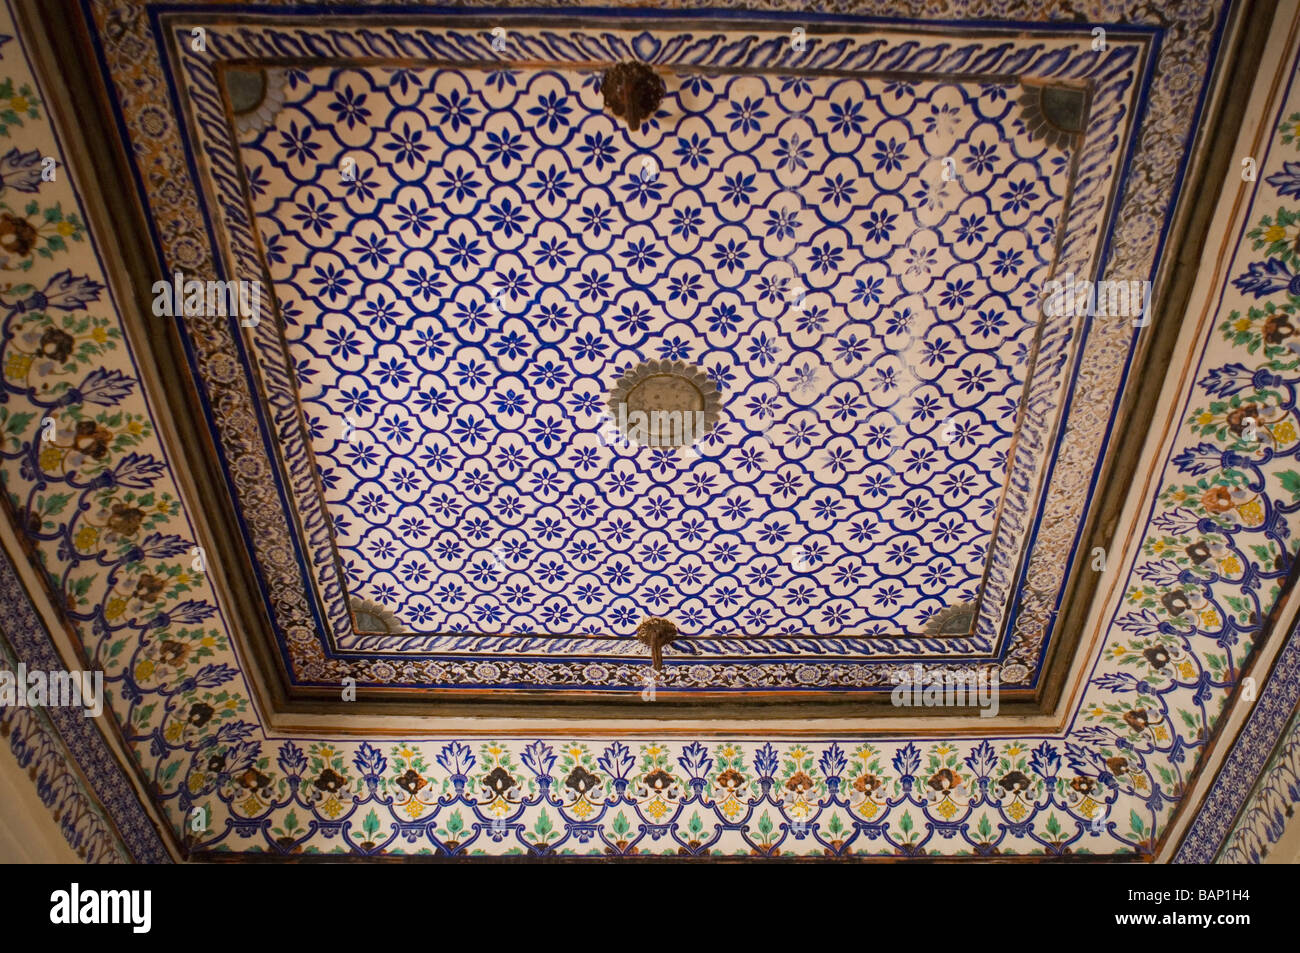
point(1210, 619)
point(1014, 750)
point(1252, 514)
point(182, 578)
point(947, 809)
point(65, 228)
point(196, 783)
point(413, 808)
point(732, 808)
point(1274, 233)
point(1158, 547)
point(1098, 711)
point(135, 427)
point(657, 809)
point(1161, 734)
point(583, 809)
point(162, 506)
point(407, 753)
point(331, 808)
point(51, 457)
point(1284, 433)
point(1088, 807)
point(207, 641)
point(251, 805)
point(144, 670)
point(868, 809)
point(19, 104)
point(115, 608)
point(17, 366)
point(1140, 782)
point(1229, 566)
point(1186, 670)
point(1241, 324)
point(1206, 418)
point(1017, 811)
point(174, 731)
point(86, 537)
point(99, 336)
point(232, 704)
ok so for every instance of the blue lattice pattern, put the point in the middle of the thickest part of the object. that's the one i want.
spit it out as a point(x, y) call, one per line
point(505, 250)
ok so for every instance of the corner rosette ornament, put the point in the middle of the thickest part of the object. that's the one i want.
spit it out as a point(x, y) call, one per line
point(633, 92)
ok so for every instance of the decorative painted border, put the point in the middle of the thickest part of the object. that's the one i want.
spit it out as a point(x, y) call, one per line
point(100, 817)
point(1258, 783)
point(1271, 808)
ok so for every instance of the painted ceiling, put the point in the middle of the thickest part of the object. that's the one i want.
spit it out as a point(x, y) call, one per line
point(405, 471)
point(847, 247)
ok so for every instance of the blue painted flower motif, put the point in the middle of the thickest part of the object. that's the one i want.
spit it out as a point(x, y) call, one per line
point(781, 223)
point(551, 185)
point(413, 219)
point(980, 156)
point(847, 118)
point(686, 222)
point(730, 256)
point(745, 115)
point(459, 184)
point(452, 110)
point(350, 106)
point(463, 251)
point(595, 219)
point(552, 111)
point(506, 218)
point(599, 150)
point(838, 190)
point(889, 155)
point(297, 142)
point(373, 251)
point(644, 189)
point(1287, 182)
point(332, 280)
point(693, 152)
point(504, 148)
point(1019, 194)
point(407, 146)
point(879, 225)
point(792, 153)
point(1268, 277)
point(314, 216)
point(641, 254)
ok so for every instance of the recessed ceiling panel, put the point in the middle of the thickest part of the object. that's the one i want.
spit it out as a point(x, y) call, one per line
point(467, 262)
point(829, 267)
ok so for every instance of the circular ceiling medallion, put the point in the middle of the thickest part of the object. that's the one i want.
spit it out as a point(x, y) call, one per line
point(664, 404)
